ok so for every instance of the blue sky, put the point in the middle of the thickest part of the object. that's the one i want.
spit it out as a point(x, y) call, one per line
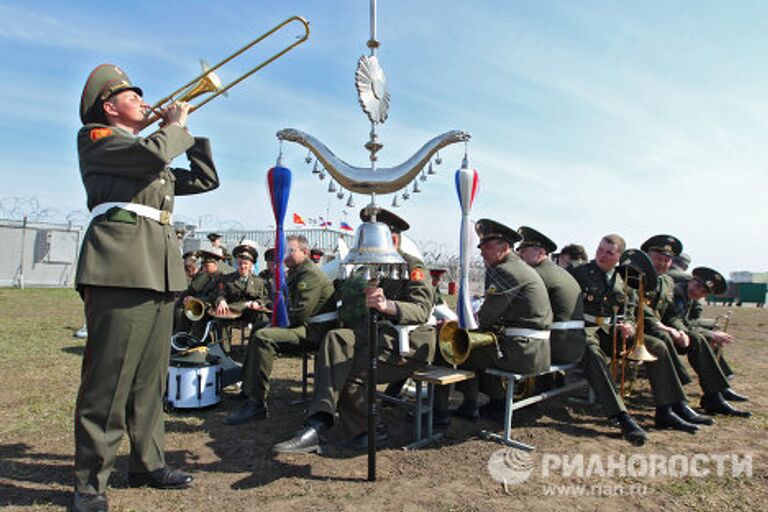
point(587, 117)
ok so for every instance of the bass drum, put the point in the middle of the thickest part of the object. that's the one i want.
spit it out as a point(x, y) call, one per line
point(193, 385)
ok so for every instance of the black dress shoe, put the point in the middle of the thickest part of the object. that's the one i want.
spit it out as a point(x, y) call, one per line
point(163, 478)
point(666, 418)
point(630, 430)
point(468, 410)
point(308, 440)
point(686, 413)
point(715, 404)
point(89, 503)
point(250, 410)
point(732, 396)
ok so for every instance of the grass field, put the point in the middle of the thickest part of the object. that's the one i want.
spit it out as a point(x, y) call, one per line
point(235, 470)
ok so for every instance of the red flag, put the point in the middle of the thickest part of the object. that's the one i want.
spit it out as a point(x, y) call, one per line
point(298, 220)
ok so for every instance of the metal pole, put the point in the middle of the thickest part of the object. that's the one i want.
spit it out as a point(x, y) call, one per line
point(373, 328)
point(23, 241)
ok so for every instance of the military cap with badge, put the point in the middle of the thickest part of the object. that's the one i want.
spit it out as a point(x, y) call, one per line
point(665, 244)
point(247, 250)
point(488, 229)
point(104, 82)
point(392, 220)
point(210, 253)
point(711, 279)
point(533, 238)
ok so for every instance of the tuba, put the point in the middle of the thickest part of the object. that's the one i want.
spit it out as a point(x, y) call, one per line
point(457, 343)
point(195, 309)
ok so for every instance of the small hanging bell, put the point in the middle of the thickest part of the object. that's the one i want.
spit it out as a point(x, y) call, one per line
point(316, 168)
point(350, 201)
point(332, 186)
point(395, 204)
point(416, 189)
point(430, 170)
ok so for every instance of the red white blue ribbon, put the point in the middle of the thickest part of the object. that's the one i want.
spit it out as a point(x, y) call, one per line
point(466, 187)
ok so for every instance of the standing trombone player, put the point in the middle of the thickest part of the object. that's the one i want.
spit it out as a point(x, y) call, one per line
point(128, 272)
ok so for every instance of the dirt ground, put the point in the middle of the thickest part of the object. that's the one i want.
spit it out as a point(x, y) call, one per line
point(235, 470)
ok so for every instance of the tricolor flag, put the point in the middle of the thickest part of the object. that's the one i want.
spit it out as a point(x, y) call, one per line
point(298, 220)
point(346, 227)
point(325, 223)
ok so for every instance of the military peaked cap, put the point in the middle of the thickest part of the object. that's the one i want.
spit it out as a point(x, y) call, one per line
point(666, 244)
point(532, 238)
point(393, 221)
point(488, 229)
point(711, 279)
point(635, 263)
point(104, 82)
point(211, 253)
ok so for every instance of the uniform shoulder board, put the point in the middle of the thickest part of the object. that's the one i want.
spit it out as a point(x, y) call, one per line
point(99, 133)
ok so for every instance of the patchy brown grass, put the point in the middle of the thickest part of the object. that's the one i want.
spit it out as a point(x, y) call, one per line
point(235, 470)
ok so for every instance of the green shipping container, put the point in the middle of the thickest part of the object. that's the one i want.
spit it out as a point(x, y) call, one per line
point(752, 292)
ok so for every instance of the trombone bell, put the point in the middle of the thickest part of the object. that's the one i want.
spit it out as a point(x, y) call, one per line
point(208, 83)
point(640, 353)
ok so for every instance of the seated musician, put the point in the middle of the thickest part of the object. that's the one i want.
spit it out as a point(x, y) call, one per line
point(705, 344)
point(517, 310)
point(243, 294)
point(604, 294)
point(341, 365)
point(203, 287)
point(310, 295)
point(568, 339)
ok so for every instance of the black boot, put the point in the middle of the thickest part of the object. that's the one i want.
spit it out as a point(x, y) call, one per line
point(630, 430)
point(732, 396)
point(163, 478)
point(309, 439)
point(666, 418)
point(715, 404)
point(685, 412)
point(250, 410)
point(89, 503)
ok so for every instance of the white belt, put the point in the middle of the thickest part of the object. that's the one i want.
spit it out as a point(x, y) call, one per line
point(527, 333)
point(598, 320)
point(323, 317)
point(567, 325)
point(161, 216)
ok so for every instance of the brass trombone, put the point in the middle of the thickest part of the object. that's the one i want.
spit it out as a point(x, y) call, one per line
point(208, 81)
point(726, 320)
point(638, 270)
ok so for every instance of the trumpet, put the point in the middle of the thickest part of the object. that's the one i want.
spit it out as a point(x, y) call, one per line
point(209, 82)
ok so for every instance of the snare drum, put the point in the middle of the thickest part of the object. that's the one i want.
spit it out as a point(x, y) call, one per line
point(193, 385)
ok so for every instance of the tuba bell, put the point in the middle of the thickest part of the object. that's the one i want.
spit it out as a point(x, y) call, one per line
point(195, 309)
point(457, 343)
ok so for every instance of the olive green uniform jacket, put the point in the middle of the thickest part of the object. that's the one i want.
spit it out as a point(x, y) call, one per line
point(128, 268)
point(602, 294)
point(342, 358)
point(121, 248)
point(310, 293)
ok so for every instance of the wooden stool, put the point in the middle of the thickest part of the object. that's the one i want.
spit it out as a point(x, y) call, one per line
point(433, 376)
